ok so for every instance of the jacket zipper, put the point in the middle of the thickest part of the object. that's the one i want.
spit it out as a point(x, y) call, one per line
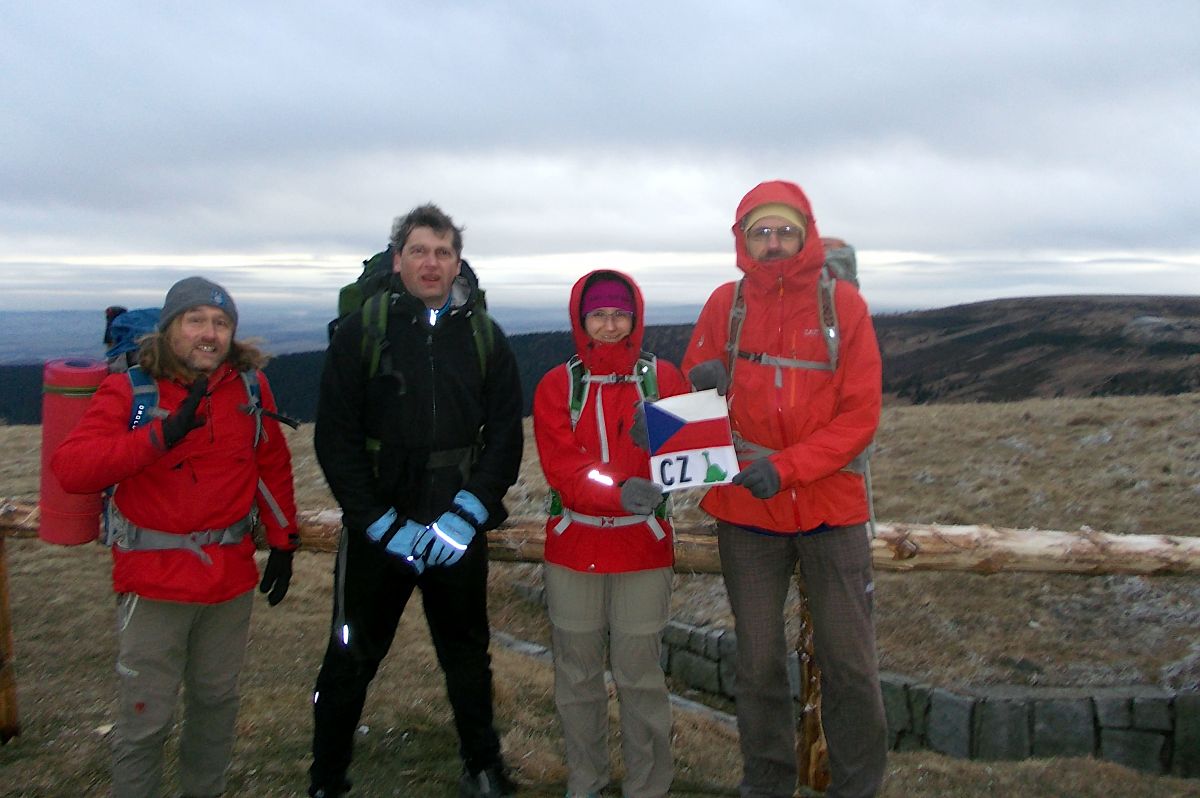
point(779, 393)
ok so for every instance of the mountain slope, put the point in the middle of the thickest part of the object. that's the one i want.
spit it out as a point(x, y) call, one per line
point(1013, 349)
point(997, 351)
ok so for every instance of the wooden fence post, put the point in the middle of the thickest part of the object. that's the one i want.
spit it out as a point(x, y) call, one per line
point(9, 724)
point(812, 756)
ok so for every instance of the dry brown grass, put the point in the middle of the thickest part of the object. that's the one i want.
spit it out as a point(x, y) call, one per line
point(1129, 465)
point(1125, 465)
point(21, 465)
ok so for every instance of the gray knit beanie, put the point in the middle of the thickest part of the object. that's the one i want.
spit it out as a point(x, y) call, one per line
point(192, 292)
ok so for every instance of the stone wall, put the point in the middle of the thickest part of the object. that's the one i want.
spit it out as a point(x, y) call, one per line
point(1146, 728)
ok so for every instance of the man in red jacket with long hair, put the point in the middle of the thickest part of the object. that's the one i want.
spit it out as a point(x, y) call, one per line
point(194, 475)
point(798, 363)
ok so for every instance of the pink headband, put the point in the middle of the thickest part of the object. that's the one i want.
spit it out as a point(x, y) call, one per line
point(606, 294)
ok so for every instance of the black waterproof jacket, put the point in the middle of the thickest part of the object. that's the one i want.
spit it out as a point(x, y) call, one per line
point(436, 399)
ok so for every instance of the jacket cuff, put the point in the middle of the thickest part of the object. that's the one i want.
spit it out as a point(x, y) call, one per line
point(359, 520)
point(284, 539)
point(788, 476)
point(155, 434)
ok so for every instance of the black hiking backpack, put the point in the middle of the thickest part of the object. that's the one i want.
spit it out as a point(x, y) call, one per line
point(371, 292)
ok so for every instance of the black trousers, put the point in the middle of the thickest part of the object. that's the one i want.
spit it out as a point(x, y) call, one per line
point(371, 589)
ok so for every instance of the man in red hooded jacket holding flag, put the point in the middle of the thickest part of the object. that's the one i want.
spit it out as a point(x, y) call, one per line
point(796, 357)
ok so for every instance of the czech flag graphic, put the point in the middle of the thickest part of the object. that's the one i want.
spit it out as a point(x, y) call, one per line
point(691, 445)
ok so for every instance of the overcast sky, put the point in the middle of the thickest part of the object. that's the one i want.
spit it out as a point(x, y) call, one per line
point(970, 150)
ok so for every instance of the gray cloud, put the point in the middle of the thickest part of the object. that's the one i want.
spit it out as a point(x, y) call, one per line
point(957, 131)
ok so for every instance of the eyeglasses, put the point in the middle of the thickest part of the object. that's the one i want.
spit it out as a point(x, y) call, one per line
point(787, 232)
point(604, 317)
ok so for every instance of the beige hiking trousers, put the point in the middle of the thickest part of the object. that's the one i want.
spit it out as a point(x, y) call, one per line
point(163, 645)
point(624, 613)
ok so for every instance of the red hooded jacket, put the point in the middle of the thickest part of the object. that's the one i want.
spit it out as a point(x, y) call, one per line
point(568, 455)
point(209, 480)
point(818, 421)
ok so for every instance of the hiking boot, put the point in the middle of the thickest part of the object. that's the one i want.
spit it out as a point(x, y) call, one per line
point(330, 790)
point(490, 782)
point(326, 792)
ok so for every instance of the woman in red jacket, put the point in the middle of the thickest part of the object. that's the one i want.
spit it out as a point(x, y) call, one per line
point(609, 552)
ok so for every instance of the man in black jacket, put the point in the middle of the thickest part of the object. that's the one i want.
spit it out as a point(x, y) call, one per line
point(419, 434)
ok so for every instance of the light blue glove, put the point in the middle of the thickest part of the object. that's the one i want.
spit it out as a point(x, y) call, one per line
point(446, 539)
point(468, 503)
point(404, 545)
point(403, 540)
point(381, 525)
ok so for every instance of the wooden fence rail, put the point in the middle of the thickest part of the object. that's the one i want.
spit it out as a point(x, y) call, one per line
point(897, 547)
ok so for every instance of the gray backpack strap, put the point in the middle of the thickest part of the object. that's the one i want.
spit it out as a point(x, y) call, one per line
point(272, 505)
point(737, 315)
point(253, 404)
point(827, 307)
point(866, 473)
point(254, 407)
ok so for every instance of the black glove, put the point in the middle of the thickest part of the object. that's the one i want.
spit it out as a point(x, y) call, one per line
point(637, 433)
point(640, 496)
point(184, 419)
point(761, 478)
point(710, 374)
point(276, 576)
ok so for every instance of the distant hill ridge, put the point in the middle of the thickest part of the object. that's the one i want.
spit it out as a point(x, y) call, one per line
point(1011, 349)
point(995, 351)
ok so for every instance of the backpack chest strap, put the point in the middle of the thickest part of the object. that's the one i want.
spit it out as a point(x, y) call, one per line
point(580, 381)
point(781, 363)
point(606, 379)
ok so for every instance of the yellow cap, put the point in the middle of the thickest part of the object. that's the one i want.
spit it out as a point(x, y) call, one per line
point(774, 209)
